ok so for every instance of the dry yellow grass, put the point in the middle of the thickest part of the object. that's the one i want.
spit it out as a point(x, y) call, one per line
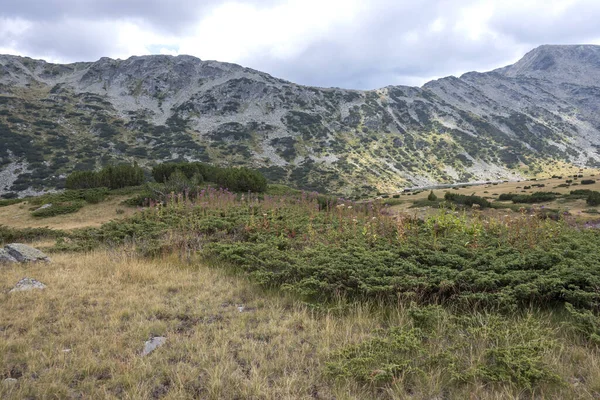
point(82, 338)
point(575, 207)
point(19, 215)
point(83, 335)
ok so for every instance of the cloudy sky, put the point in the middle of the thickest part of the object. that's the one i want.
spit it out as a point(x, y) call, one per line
point(344, 43)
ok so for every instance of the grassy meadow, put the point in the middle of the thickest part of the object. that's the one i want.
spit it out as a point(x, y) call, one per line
point(290, 295)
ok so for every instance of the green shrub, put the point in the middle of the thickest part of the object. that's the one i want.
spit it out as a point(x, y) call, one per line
point(91, 196)
point(9, 202)
point(579, 194)
point(467, 200)
point(83, 180)
point(507, 196)
point(431, 196)
point(140, 200)
point(95, 196)
point(234, 179)
point(404, 355)
point(112, 176)
point(587, 181)
point(11, 235)
point(593, 199)
point(537, 197)
point(59, 209)
point(312, 246)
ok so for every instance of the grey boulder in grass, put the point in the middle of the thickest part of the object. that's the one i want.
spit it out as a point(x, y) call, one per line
point(6, 258)
point(27, 284)
point(24, 253)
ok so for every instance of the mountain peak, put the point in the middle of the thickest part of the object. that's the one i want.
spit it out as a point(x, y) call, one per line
point(559, 63)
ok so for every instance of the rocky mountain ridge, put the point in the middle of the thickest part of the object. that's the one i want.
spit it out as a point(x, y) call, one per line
point(527, 119)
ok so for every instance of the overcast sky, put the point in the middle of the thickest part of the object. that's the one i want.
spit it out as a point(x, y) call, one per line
point(345, 43)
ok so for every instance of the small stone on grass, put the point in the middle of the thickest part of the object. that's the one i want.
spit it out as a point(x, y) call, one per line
point(153, 344)
point(27, 284)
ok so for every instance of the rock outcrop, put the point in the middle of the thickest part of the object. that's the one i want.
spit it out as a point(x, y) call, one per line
point(6, 258)
point(23, 253)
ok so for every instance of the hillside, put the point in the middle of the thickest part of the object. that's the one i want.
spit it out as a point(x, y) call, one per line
point(522, 120)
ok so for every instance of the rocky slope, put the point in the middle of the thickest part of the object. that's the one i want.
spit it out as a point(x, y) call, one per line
point(522, 120)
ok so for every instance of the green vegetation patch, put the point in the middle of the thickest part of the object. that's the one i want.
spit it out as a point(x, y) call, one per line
point(537, 197)
point(12, 235)
point(112, 176)
point(59, 209)
point(320, 248)
point(490, 349)
point(467, 200)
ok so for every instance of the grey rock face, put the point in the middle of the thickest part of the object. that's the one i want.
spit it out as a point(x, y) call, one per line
point(153, 344)
point(24, 253)
point(6, 258)
point(27, 284)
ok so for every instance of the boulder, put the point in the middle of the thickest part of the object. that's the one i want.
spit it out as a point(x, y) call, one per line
point(27, 284)
point(6, 258)
point(48, 205)
point(23, 253)
point(153, 344)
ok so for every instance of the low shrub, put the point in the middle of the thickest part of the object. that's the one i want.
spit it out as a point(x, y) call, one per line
point(59, 209)
point(587, 181)
point(11, 235)
point(579, 194)
point(235, 179)
point(10, 202)
point(111, 176)
point(507, 196)
point(403, 355)
point(593, 199)
point(95, 196)
point(537, 197)
point(91, 196)
point(467, 200)
point(321, 249)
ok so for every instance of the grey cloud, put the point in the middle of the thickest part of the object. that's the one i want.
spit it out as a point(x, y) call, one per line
point(171, 15)
point(68, 40)
point(576, 24)
point(375, 53)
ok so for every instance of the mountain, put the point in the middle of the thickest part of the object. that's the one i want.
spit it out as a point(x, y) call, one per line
point(522, 120)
